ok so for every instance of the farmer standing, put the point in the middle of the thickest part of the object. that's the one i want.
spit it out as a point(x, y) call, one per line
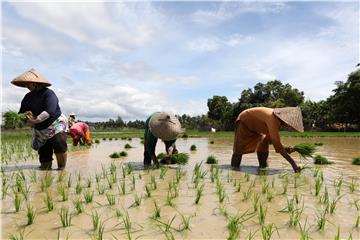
point(49, 124)
point(80, 132)
point(164, 126)
point(258, 127)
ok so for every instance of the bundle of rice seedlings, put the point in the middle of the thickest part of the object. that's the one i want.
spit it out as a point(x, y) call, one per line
point(17, 119)
point(127, 146)
point(193, 147)
point(185, 135)
point(97, 141)
point(211, 142)
point(318, 159)
point(356, 161)
point(123, 154)
point(305, 149)
point(177, 158)
point(115, 155)
point(211, 160)
point(318, 144)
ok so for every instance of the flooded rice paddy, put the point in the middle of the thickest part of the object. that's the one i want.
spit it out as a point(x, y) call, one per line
point(98, 197)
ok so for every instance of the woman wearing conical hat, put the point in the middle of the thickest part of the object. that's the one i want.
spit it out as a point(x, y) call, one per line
point(164, 126)
point(50, 126)
point(258, 127)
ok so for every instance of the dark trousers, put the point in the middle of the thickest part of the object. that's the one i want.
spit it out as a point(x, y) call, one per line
point(56, 144)
point(147, 155)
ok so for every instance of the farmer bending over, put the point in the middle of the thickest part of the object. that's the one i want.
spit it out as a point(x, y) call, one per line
point(80, 132)
point(49, 124)
point(258, 127)
point(164, 126)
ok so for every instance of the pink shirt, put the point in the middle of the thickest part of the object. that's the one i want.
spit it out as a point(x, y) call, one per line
point(79, 129)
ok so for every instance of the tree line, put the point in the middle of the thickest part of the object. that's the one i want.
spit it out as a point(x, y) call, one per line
point(339, 112)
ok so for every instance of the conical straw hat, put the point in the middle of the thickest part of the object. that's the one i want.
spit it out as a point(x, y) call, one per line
point(165, 126)
point(30, 76)
point(291, 116)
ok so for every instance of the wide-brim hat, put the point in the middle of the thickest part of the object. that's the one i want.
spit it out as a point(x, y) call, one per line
point(165, 126)
point(72, 114)
point(291, 116)
point(30, 76)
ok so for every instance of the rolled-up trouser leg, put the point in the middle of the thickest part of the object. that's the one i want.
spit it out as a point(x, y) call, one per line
point(236, 160)
point(45, 155)
point(262, 158)
point(61, 160)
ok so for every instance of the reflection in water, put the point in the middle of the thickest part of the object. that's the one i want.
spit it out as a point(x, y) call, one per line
point(207, 218)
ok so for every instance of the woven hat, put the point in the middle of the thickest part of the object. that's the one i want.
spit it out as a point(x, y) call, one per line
point(30, 76)
point(72, 114)
point(291, 116)
point(165, 126)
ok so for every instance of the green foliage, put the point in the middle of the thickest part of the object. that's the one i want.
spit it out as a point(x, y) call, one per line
point(177, 158)
point(14, 120)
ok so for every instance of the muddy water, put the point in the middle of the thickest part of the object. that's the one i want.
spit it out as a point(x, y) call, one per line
point(208, 218)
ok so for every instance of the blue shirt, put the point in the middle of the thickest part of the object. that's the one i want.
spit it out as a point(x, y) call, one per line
point(39, 101)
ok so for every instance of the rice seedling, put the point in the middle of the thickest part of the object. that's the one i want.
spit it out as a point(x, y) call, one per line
point(17, 202)
point(199, 193)
point(211, 160)
point(148, 190)
point(304, 232)
point(352, 185)
point(318, 159)
point(88, 196)
point(111, 199)
point(25, 191)
point(79, 207)
point(338, 184)
point(153, 182)
point(30, 214)
point(318, 144)
point(262, 214)
point(127, 224)
point(247, 177)
point(247, 194)
point(95, 219)
point(256, 201)
point(137, 200)
point(357, 223)
point(325, 197)
point(127, 146)
point(321, 220)
point(69, 182)
point(220, 191)
point(122, 188)
point(238, 187)
point(157, 211)
point(118, 213)
point(265, 187)
point(21, 235)
point(169, 200)
point(235, 223)
point(33, 177)
point(305, 150)
point(333, 204)
point(97, 178)
point(357, 204)
point(61, 177)
point(4, 190)
point(100, 189)
point(163, 171)
point(78, 188)
point(110, 182)
point(64, 192)
point(46, 181)
point(295, 215)
point(110, 138)
point(212, 142)
point(337, 236)
point(49, 202)
point(269, 196)
point(185, 222)
point(356, 160)
point(318, 185)
point(79, 177)
point(267, 231)
point(97, 141)
point(100, 231)
point(88, 182)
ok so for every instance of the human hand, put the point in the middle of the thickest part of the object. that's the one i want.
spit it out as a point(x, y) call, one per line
point(289, 150)
point(31, 120)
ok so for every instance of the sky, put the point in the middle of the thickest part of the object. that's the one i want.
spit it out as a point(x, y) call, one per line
point(129, 59)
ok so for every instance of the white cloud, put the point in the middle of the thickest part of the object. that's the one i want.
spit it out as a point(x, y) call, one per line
point(108, 26)
point(229, 10)
point(214, 43)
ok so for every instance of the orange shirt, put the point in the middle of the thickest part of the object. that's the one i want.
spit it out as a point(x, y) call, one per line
point(261, 120)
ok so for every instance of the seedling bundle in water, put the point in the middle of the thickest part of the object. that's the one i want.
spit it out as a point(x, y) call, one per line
point(318, 159)
point(356, 161)
point(177, 158)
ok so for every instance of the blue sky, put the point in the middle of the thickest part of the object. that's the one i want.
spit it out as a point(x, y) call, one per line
point(109, 59)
